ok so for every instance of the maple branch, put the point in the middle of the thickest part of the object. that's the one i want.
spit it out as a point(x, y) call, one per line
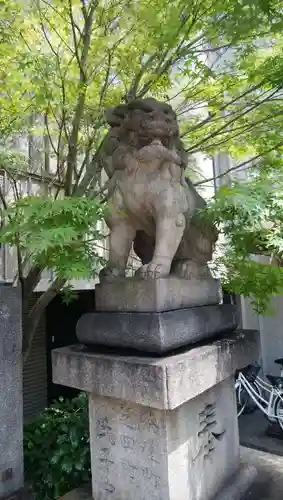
point(82, 90)
point(35, 314)
point(195, 147)
point(240, 165)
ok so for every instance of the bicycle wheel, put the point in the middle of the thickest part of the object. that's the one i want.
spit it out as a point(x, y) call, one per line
point(242, 400)
point(278, 410)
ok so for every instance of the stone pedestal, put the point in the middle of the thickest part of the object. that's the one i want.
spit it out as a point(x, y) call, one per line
point(156, 316)
point(11, 406)
point(157, 332)
point(163, 428)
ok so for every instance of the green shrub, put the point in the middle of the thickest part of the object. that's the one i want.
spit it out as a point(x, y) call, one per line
point(56, 448)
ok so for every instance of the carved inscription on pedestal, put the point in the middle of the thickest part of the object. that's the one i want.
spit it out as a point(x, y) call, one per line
point(129, 452)
point(210, 431)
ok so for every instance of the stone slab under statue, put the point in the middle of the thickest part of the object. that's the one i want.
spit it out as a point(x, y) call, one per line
point(156, 295)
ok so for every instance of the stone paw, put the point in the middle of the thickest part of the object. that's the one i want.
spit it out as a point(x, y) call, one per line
point(108, 274)
point(188, 269)
point(153, 270)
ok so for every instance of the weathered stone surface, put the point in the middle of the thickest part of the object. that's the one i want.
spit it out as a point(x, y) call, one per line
point(185, 454)
point(163, 383)
point(163, 294)
point(156, 332)
point(11, 407)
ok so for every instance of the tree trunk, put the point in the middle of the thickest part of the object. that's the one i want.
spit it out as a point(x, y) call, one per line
point(31, 318)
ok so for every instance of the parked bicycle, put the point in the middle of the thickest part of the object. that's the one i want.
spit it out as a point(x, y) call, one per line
point(245, 404)
point(268, 397)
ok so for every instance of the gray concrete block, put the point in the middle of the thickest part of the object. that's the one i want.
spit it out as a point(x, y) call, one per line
point(11, 406)
point(158, 382)
point(163, 294)
point(156, 332)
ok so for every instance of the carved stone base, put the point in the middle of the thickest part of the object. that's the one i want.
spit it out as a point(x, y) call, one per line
point(156, 332)
point(162, 428)
point(163, 294)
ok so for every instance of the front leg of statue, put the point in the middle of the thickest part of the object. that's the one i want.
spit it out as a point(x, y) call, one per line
point(121, 239)
point(169, 232)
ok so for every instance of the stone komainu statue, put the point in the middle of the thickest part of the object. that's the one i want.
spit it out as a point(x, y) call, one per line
point(151, 203)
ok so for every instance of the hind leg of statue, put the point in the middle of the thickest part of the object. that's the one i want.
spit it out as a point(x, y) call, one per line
point(189, 269)
point(193, 254)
